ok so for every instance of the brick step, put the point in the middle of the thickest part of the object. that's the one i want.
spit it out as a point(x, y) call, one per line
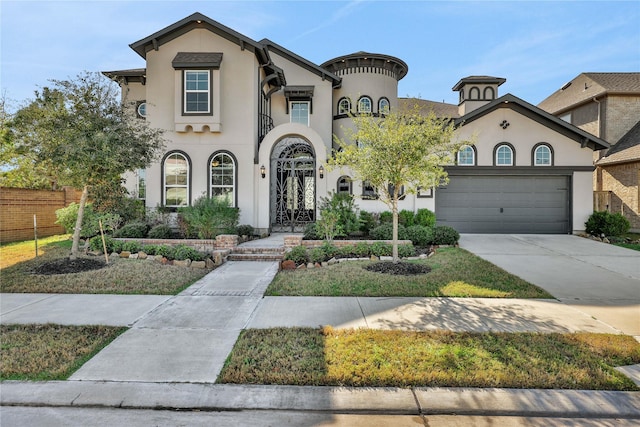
point(255, 257)
point(252, 250)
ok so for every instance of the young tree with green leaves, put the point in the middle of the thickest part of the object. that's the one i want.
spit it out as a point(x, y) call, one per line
point(402, 149)
point(82, 131)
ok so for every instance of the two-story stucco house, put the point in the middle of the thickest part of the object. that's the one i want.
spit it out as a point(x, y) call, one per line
point(254, 121)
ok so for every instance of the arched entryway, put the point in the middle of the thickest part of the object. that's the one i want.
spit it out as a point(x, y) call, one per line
point(293, 184)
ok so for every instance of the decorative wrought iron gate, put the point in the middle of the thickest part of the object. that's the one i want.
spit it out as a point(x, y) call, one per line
point(293, 185)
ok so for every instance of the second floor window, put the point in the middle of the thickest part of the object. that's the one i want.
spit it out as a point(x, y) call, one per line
point(300, 112)
point(197, 92)
point(383, 106)
point(344, 106)
point(466, 156)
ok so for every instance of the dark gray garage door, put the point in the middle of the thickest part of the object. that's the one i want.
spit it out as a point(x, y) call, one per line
point(505, 204)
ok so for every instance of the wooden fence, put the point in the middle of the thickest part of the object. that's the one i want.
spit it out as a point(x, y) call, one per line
point(19, 205)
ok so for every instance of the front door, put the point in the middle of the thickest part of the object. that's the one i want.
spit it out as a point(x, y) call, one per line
point(293, 185)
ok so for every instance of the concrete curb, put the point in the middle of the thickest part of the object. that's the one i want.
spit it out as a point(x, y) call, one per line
point(398, 401)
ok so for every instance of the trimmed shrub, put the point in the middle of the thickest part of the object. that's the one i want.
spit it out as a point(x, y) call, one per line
point(329, 250)
point(132, 247)
point(385, 217)
point(606, 223)
point(150, 249)
point(406, 250)
point(362, 249)
point(367, 222)
point(133, 230)
point(385, 232)
point(406, 218)
point(419, 235)
point(95, 244)
point(298, 255)
point(67, 217)
point(445, 235)
point(244, 230)
point(161, 231)
point(166, 251)
point(317, 255)
point(425, 218)
point(182, 252)
point(381, 249)
point(342, 206)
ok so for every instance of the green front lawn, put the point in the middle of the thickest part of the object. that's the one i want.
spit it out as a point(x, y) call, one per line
point(455, 273)
point(49, 352)
point(374, 358)
point(121, 276)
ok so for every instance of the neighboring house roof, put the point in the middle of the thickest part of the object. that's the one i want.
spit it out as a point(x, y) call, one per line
point(478, 80)
point(626, 150)
point(587, 86)
point(550, 121)
point(300, 61)
point(440, 109)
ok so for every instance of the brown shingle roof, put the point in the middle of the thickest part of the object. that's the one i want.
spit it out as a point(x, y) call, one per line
point(440, 109)
point(587, 86)
point(626, 150)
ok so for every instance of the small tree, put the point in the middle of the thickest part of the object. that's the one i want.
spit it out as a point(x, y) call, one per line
point(403, 149)
point(82, 131)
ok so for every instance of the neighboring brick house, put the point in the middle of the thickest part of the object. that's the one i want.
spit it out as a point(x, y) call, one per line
point(618, 178)
point(254, 122)
point(608, 106)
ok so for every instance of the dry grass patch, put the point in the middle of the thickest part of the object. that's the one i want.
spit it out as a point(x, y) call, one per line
point(454, 272)
point(374, 358)
point(121, 276)
point(49, 352)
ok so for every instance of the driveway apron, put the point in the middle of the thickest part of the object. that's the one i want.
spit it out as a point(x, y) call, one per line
point(598, 279)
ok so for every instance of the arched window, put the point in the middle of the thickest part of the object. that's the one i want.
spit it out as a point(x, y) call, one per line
point(489, 93)
point(466, 156)
point(344, 106)
point(542, 155)
point(344, 185)
point(504, 155)
point(176, 170)
point(223, 177)
point(474, 93)
point(383, 106)
point(364, 105)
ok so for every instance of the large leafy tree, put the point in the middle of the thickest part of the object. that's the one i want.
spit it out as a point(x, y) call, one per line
point(82, 131)
point(403, 149)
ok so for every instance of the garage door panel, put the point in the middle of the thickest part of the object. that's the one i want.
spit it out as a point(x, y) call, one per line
point(505, 204)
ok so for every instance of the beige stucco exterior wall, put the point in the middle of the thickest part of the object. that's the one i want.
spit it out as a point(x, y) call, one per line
point(238, 111)
point(523, 133)
point(582, 199)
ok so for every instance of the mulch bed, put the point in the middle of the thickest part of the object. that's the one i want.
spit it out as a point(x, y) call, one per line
point(398, 268)
point(68, 266)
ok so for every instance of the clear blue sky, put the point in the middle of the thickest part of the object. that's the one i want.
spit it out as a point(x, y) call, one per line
point(537, 46)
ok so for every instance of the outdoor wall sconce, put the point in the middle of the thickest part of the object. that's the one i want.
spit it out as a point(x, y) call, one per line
point(321, 171)
point(263, 171)
point(504, 124)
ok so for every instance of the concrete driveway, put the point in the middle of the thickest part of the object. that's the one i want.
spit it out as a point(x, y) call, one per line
point(599, 279)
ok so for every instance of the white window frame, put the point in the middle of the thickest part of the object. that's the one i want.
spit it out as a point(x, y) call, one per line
point(360, 102)
point(384, 109)
point(535, 155)
point(292, 111)
point(166, 187)
point(473, 156)
point(141, 182)
point(188, 91)
point(232, 186)
point(341, 109)
point(501, 146)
